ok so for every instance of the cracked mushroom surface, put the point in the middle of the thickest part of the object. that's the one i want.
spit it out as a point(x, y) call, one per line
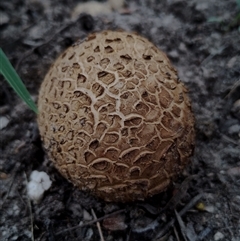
point(114, 117)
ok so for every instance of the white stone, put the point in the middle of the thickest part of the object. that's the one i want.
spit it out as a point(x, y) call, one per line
point(234, 129)
point(210, 209)
point(218, 236)
point(93, 8)
point(3, 122)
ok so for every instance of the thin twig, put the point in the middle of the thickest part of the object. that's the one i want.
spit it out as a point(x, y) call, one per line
point(90, 222)
point(212, 55)
point(30, 209)
point(229, 139)
point(129, 234)
point(181, 224)
point(6, 197)
point(11, 184)
point(233, 88)
point(176, 233)
point(181, 213)
point(98, 225)
point(179, 194)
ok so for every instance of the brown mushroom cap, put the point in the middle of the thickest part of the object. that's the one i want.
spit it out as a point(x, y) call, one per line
point(114, 117)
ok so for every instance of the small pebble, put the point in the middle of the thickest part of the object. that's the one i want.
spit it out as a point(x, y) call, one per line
point(201, 6)
point(93, 8)
point(204, 233)
point(173, 54)
point(234, 171)
point(4, 18)
point(236, 109)
point(231, 62)
point(115, 223)
point(3, 175)
point(238, 198)
point(182, 47)
point(234, 129)
point(86, 215)
point(218, 236)
point(89, 234)
point(3, 122)
point(210, 209)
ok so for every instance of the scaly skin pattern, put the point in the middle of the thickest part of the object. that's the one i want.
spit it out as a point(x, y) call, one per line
point(114, 117)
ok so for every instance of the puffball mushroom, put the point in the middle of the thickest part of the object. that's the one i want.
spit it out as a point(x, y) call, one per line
point(114, 117)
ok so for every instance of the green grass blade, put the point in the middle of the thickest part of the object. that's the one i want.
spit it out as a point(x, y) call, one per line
point(9, 73)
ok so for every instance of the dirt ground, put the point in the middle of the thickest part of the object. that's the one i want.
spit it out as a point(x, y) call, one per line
point(202, 39)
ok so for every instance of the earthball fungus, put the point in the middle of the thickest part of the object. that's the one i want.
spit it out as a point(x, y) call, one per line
point(114, 117)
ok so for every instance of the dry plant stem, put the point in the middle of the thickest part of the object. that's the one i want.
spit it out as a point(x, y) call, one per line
point(207, 59)
point(227, 138)
point(98, 225)
point(180, 193)
point(11, 184)
point(181, 224)
point(181, 213)
point(6, 197)
point(91, 222)
point(176, 233)
point(129, 235)
point(233, 88)
point(20, 196)
point(30, 209)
